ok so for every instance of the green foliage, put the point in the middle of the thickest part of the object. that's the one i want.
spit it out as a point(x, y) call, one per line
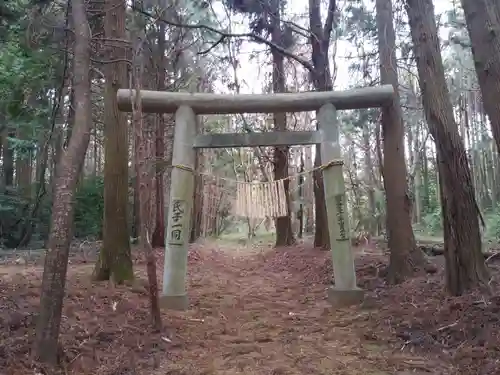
point(22, 148)
point(432, 223)
point(31, 70)
point(358, 17)
point(89, 207)
point(492, 220)
point(11, 213)
point(10, 13)
point(28, 76)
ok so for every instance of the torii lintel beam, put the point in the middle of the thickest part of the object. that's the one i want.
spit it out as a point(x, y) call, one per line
point(205, 103)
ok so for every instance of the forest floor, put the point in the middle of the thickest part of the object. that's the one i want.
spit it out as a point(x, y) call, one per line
point(254, 310)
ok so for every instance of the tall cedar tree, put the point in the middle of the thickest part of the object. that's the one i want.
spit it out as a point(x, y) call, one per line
point(115, 259)
point(284, 231)
point(483, 23)
point(267, 19)
point(145, 185)
point(465, 267)
point(405, 257)
point(322, 81)
point(158, 239)
point(68, 170)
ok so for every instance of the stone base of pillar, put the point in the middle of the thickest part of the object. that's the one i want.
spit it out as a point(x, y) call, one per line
point(179, 303)
point(344, 298)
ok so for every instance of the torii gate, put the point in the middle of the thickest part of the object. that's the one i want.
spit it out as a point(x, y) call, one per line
point(187, 106)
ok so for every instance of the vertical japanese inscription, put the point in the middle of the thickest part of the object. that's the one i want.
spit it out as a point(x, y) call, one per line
point(176, 235)
point(339, 202)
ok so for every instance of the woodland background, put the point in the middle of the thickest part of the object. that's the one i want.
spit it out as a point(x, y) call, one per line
point(73, 166)
point(36, 102)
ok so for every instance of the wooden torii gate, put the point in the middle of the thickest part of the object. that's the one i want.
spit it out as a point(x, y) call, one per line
point(187, 106)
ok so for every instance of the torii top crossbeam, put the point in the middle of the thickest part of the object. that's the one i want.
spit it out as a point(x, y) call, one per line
point(204, 103)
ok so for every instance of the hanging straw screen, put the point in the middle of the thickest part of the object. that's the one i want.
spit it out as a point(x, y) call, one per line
point(261, 199)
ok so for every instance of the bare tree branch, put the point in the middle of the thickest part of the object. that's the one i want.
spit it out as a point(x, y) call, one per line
point(251, 36)
point(328, 27)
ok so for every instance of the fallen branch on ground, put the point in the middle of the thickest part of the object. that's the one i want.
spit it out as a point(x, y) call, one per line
point(434, 250)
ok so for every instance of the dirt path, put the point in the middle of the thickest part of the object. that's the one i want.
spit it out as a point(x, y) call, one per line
point(252, 321)
point(250, 313)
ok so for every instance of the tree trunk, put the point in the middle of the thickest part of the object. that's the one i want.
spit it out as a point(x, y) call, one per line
point(68, 170)
point(322, 80)
point(145, 183)
point(8, 160)
point(309, 192)
point(418, 151)
point(42, 158)
point(352, 170)
point(115, 259)
point(426, 199)
point(301, 182)
point(198, 199)
point(417, 180)
point(492, 171)
point(380, 164)
point(405, 257)
point(483, 24)
point(158, 239)
point(23, 168)
point(465, 267)
point(369, 180)
point(284, 232)
point(36, 195)
point(136, 206)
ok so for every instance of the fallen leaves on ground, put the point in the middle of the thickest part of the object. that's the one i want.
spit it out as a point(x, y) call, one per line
point(263, 313)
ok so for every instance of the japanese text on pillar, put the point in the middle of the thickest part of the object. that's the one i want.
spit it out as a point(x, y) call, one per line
point(339, 201)
point(176, 236)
